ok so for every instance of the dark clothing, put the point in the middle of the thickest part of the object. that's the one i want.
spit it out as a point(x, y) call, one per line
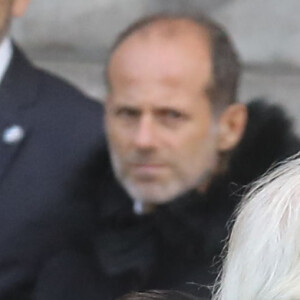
point(60, 128)
point(176, 246)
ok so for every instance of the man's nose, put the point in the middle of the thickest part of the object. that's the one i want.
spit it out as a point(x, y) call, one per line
point(145, 135)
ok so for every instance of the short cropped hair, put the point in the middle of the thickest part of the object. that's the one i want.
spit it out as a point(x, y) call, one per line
point(263, 259)
point(158, 295)
point(225, 61)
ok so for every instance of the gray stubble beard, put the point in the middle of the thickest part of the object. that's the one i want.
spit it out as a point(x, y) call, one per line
point(174, 188)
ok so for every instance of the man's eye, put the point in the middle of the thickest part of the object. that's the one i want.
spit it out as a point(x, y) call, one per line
point(127, 113)
point(172, 115)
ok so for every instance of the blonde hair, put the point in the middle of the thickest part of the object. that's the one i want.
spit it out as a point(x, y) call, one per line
point(263, 255)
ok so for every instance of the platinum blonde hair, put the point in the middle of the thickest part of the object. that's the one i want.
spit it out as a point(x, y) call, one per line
point(263, 252)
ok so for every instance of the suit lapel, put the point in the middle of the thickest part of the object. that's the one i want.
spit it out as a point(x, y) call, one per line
point(13, 133)
point(18, 91)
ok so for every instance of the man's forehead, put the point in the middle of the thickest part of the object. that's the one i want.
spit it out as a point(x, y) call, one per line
point(161, 35)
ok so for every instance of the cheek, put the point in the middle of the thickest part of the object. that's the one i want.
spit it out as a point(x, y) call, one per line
point(112, 132)
point(196, 146)
point(118, 137)
point(197, 135)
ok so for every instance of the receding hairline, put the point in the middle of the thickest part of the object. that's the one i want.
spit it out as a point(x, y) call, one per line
point(161, 27)
point(170, 27)
point(224, 57)
point(165, 27)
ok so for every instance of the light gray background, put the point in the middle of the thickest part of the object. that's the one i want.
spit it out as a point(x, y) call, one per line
point(72, 37)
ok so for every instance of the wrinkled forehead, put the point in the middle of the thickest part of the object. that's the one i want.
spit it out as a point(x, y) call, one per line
point(164, 48)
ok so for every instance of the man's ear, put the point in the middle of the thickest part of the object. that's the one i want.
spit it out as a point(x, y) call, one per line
point(19, 7)
point(232, 124)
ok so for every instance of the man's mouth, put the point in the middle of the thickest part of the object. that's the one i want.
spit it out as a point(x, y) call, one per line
point(147, 170)
point(147, 166)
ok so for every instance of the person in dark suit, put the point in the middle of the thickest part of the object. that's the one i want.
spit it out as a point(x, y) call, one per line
point(47, 131)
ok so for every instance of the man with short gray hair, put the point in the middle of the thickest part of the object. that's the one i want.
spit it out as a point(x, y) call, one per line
point(181, 150)
point(171, 109)
point(180, 143)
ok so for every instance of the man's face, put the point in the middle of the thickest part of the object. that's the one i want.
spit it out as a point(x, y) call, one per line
point(159, 122)
point(5, 16)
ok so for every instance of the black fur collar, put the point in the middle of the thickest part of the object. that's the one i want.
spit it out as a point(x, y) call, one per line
point(179, 239)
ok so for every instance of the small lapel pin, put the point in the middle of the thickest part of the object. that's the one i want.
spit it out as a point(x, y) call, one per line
point(13, 134)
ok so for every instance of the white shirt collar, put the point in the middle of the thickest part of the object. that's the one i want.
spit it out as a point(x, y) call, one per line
point(138, 208)
point(142, 208)
point(6, 51)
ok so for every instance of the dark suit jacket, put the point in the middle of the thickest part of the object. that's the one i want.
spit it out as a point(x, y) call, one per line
point(61, 127)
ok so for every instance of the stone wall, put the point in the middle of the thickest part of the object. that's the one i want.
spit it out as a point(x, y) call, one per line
point(72, 38)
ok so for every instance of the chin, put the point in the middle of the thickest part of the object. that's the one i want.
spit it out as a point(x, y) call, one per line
point(153, 193)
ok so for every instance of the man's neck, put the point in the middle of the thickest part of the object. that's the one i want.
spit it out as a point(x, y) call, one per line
point(6, 51)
